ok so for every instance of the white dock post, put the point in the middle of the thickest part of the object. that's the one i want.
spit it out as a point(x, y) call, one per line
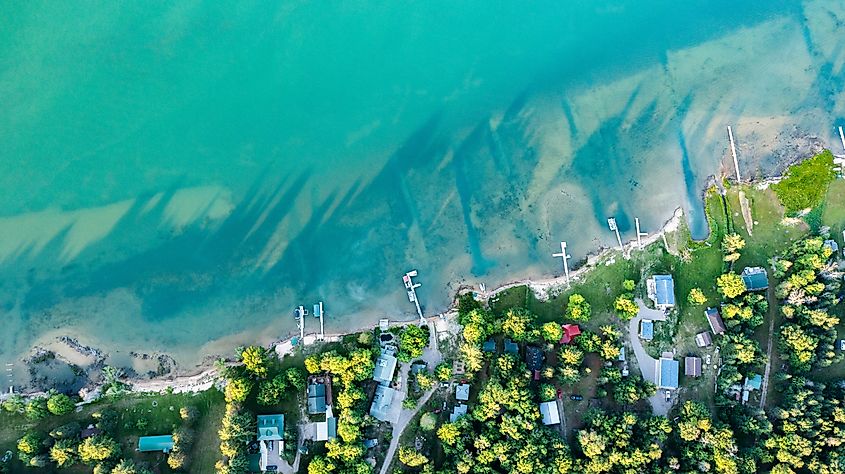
point(301, 311)
point(733, 152)
point(565, 257)
point(842, 137)
point(611, 222)
point(322, 332)
point(640, 235)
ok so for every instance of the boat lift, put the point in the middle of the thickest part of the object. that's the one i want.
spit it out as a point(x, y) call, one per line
point(411, 287)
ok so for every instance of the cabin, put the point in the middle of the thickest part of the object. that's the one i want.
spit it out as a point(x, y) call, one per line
point(326, 430)
point(316, 398)
point(457, 412)
point(570, 332)
point(271, 444)
point(462, 392)
point(489, 346)
point(149, 444)
point(692, 366)
point(661, 291)
point(703, 339)
point(534, 360)
point(380, 409)
point(550, 413)
point(755, 278)
point(511, 347)
point(715, 320)
point(384, 368)
point(667, 373)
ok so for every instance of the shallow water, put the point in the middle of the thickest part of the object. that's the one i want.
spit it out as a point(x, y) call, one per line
point(177, 178)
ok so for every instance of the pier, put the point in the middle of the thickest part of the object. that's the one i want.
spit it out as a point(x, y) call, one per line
point(565, 257)
point(842, 138)
point(733, 152)
point(411, 287)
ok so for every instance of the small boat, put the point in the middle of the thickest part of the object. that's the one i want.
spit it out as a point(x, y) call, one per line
point(318, 310)
point(299, 312)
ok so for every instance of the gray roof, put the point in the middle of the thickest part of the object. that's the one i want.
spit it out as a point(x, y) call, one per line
point(703, 339)
point(457, 412)
point(462, 391)
point(832, 245)
point(511, 347)
point(384, 368)
point(692, 366)
point(316, 398)
point(534, 357)
point(381, 403)
point(716, 323)
point(755, 278)
point(664, 290)
point(550, 413)
point(668, 373)
point(489, 346)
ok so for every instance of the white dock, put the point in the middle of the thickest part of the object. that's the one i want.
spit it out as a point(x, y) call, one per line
point(733, 152)
point(842, 138)
point(411, 288)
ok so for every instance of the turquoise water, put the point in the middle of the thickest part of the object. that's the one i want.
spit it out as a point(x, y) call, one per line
point(177, 178)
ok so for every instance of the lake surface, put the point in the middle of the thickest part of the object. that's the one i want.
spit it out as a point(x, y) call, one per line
point(178, 177)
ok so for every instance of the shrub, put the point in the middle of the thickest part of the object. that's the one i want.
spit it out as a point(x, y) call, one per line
point(806, 183)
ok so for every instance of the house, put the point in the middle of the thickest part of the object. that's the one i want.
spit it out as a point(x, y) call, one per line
point(148, 444)
point(384, 368)
point(692, 366)
point(832, 245)
point(316, 398)
point(489, 346)
point(661, 291)
point(647, 329)
point(457, 412)
point(550, 413)
point(380, 409)
point(326, 430)
point(90, 431)
point(462, 391)
point(755, 278)
point(511, 347)
point(271, 444)
point(755, 382)
point(667, 373)
point(534, 360)
point(570, 331)
point(703, 339)
point(370, 443)
point(716, 323)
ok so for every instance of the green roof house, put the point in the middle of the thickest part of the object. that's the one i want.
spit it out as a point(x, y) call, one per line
point(755, 278)
point(163, 443)
point(271, 427)
point(271, 444)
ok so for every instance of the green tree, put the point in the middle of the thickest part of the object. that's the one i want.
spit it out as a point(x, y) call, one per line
point(551, 332)
point(412, 341)
point(411, 457)
point(320, 465)
point(36, 409)
point(628, 285)
point(14, 404)
point(296, 377)
point(272, 392)
point(60, 404)
point(517, 325)
point(577, 308)
point(64, 452)
point(547, 392)
point(67, 430)
point(98, 448)
point(730, 285)
point(625, 307)
point(448, 433)
point(237, 389)
point(696, 297)
point(443, 371)
point(30, 443)
point(472, 356)
point(254, 359)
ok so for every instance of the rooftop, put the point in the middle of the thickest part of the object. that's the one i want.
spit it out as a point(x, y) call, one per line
point(570, 331)
point(462, 391)
point(755, 278)
point(534, 357)
point(716, 323)
point(550, 413)
point(667, 375)
point(316, 398)
point(511, 347)
point(692, 366)
point(271, 427)
point(703, 339)
point(457, 412)
point(384, 368)
point(489, 346)
point(326, 430)
point(163, 443)
point(381, 403)
point(647, 329)
point(661, 290)
point(754, 382)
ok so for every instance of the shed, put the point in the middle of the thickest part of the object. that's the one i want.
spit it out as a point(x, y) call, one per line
point(667, 373)
point(647, 329)
point(511, 347)
point(692, 366)
point(570, 332)
point(703, 339)
point(489, 346)
point(755, 278)
point(715, 320)
point(462, 391)
point(661, 291)
point(550, 413)
point(163, 443)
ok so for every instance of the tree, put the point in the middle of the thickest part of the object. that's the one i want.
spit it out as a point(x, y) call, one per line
point(14, 404)
point(255, 361)
point(732, 243)
point(237, 389)
point(411, 457)
point(412, 340)
point(629, 285)
point(188, 414)
point(730, 285)
point(577, 308)
point(64, 452)
point(551, 332)
point(60, 404)
point(296, 378)
point(36, 409)
point(320, 465)
point(177, 460)
point(443, 372)
point(30, 443)
point(517, 325)
point(68, 430)
point(425, 380)
point(128, 466)
point(472, 356)
point(271, 392)
point(312, 364)
point(448, 433)
point(98, 448)
point(696, 297)
point(547, 392)
point(625, 307)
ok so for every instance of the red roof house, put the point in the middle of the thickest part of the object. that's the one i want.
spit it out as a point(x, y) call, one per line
point(569, 333)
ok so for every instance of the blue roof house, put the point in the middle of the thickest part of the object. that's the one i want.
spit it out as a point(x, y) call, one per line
point(667, 373)
point(755, 278)
point(647, 329)
point(661, 291)
point(163, 443)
